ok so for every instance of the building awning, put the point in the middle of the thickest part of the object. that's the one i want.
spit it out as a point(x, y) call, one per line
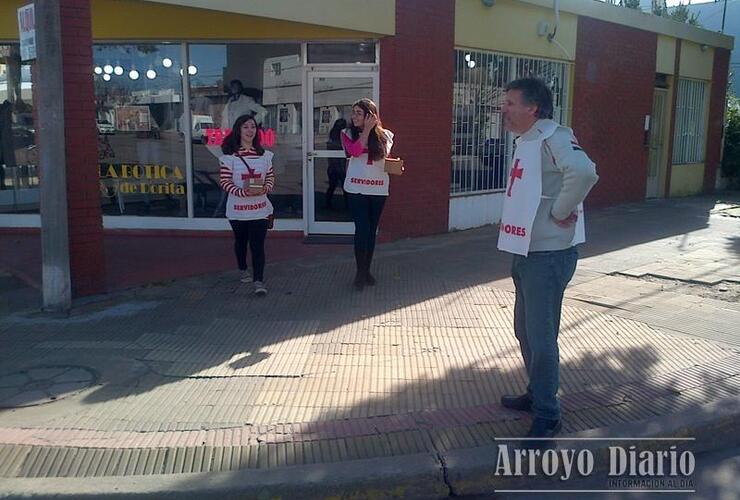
point(378, 16)
point(172, 20)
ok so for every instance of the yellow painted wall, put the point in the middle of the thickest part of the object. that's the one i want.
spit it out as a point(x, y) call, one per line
point(9, 19)
point(696, 63)
point(135, 20)
point(687, 180)
point(665, 60)
point(376, 16)
point(613, 13)
point(511, 26)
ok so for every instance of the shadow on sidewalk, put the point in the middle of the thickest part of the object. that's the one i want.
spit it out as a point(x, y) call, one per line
point(622, 226)
point(460, 409)
point(733, 244)
point(605, 387)
point(221, 319)
point(211, 326)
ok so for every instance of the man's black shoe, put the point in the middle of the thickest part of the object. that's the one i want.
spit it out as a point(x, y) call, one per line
point(543, 429)
point(521, 403)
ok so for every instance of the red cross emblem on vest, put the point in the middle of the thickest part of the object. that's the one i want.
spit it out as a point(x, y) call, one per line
point(516, 173)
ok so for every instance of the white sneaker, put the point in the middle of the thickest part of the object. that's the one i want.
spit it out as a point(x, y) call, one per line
point(259, 289)
point(246, 277)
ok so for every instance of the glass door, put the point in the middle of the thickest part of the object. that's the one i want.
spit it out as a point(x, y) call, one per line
point(330, 99)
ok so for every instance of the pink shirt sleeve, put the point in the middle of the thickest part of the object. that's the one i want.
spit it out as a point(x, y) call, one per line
point(354, 148)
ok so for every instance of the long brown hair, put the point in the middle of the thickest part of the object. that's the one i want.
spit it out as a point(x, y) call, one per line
point(233, 141)
point(377, 140)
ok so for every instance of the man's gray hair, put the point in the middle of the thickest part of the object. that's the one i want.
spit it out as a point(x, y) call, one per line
point(536, 92)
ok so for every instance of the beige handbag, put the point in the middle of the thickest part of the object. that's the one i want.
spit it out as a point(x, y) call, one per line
point(394, 166)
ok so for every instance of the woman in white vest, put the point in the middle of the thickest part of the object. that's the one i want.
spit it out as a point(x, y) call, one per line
point(367, 144)
point(247, 176)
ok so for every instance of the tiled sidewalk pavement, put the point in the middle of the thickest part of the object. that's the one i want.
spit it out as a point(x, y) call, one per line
point(687, 281)
point(202, 376)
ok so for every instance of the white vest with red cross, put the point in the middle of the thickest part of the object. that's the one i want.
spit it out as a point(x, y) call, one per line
point(523, 195)
point(246, 167)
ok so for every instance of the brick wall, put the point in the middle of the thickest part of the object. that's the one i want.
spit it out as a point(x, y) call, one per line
point(87, 260)
point(720, 73)
point(416, 73)
point(613, 91)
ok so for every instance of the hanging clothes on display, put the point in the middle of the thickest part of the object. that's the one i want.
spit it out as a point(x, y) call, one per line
point(238, 104)
point(7, 151)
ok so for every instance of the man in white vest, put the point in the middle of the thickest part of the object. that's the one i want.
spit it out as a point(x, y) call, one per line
point(541, 222)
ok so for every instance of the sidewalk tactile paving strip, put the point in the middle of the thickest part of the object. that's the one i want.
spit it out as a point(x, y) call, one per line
point(247, 386)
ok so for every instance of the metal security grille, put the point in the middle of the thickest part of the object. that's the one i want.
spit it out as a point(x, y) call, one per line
point(481, 147)
point(688, 141)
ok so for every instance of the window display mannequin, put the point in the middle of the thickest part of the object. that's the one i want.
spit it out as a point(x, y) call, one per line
point(238, 104)
point(7, 151)
point(11, 56)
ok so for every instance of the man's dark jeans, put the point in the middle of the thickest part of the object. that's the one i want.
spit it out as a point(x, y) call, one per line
point(540, 280)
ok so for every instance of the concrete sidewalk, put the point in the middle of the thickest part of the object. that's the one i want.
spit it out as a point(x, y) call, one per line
point(200, 376)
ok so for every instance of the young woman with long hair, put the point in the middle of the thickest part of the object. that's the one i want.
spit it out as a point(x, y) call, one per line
point(368, 144)
point(247, 176)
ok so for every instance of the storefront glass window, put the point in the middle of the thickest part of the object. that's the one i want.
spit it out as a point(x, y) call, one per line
point(341, 53)
point(19, 179)
point(264, 80)
point(141, 149)
point(481, 148)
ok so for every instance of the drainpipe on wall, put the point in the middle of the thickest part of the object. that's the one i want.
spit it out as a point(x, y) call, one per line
point(674, 100)
point(551, 36)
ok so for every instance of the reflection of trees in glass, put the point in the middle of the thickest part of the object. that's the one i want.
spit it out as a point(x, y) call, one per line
point(146, 48)
point(131, 49)
point(11, 56)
